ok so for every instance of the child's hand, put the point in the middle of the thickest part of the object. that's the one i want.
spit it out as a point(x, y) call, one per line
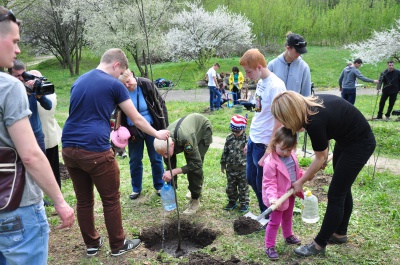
point(273, 202)
point(261, 161)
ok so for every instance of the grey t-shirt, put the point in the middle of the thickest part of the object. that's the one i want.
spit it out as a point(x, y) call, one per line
point(14, 106)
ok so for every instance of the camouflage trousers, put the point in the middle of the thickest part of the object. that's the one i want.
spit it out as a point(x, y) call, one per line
point(237, 187)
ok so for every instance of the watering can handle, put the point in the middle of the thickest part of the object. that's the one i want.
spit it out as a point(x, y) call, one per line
point(278, 202)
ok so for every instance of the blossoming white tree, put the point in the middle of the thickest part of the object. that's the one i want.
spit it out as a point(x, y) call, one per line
point(196, 34)
point(381, 46)
point(135, 25)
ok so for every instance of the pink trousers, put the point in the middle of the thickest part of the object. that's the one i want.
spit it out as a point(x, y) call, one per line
point(279, 218)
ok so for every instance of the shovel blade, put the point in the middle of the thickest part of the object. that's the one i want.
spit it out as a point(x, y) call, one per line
point(262, 221)
point(251, 215)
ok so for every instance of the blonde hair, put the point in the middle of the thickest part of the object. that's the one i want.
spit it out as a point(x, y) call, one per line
point(115, 55)
point(292, 109)
point(124, 77)
point(252, 58)
point(285, 136)
point(161, 146)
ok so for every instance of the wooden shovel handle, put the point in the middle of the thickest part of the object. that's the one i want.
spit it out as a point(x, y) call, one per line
point(282, 199)
point(278, 203)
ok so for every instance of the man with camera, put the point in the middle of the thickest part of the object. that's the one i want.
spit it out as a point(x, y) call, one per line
point(32, 87)
point(24, 229)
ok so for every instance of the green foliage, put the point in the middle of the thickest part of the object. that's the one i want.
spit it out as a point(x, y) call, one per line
point(305, 161)
point(320, 22)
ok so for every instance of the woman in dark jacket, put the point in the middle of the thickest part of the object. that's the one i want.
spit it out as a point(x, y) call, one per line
point(149, 103)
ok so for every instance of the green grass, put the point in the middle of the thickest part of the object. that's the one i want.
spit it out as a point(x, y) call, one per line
point(326, 64)
point(375, 211)
point(375, 196)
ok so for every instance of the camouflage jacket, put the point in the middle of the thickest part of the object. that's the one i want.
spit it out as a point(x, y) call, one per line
point(233, 156)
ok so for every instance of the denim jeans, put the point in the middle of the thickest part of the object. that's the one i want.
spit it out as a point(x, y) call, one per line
point(100, 169)
point(348, 160)
point(136, 164)
point(349, 95)
point(24, 235)
point(213, 93)
point(254, 173)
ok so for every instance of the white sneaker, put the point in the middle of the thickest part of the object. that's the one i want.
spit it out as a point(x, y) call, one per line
point(194, 205)
point(188, 195)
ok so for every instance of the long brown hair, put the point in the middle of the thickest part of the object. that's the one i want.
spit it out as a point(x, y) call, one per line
point(292, 109)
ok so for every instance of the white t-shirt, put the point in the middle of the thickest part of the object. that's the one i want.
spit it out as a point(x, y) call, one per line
point(263, 121)
point(211, 73)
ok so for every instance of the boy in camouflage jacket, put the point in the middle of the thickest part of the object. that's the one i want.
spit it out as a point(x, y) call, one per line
point(233, 161)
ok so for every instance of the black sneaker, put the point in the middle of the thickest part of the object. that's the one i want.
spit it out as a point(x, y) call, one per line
point(243, 208)
point(93, 251)
point(230, 206)
point(128, 245)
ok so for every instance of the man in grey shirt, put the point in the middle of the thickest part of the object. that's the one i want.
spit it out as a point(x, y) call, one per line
point(347, 80)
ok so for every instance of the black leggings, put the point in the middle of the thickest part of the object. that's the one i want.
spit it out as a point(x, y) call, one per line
point(348, 160)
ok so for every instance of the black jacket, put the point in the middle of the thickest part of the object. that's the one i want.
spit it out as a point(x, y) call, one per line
point(390, 81)
point(155, 104)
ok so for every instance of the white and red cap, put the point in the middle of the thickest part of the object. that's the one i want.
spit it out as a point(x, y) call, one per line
point(238, 123)
point(120, 137)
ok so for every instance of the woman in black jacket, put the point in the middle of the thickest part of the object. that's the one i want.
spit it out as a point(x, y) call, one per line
point(149, 103)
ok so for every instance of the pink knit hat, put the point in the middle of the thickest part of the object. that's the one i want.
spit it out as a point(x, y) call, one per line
point(120, 137)
point(238, 123)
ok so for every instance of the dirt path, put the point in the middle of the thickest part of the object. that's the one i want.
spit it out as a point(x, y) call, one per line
point(202, 94)
point(382, 163)
point(39, 59)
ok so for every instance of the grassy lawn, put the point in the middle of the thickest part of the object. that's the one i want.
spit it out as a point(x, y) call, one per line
point(374, 227)
point(375, 213)
point(326, 64)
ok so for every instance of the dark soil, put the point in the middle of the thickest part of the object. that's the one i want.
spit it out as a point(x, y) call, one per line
point(193, 237)
point(319, 186)
point(63, 172)
point(201, 259)
point(246, 225)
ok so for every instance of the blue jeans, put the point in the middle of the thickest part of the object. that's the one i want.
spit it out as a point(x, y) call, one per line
point(214, 93)
point(136, 164)
point(24, 235)
point(349, 95)
point(348, 160)
point(254, 173)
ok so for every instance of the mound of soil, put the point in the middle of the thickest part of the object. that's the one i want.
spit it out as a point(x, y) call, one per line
point(193, 237)
point(201, 259)
point(246, 225)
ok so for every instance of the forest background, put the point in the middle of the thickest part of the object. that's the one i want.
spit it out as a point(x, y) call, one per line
point(142, 28)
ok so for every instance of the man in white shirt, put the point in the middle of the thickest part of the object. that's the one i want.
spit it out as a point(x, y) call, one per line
point(213, 86)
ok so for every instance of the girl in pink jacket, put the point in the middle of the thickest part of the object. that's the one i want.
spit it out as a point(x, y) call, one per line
point(281, 169)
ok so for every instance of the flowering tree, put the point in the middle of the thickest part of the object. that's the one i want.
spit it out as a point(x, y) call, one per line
point(382, 45)
point(196, 34)
point(134, 25)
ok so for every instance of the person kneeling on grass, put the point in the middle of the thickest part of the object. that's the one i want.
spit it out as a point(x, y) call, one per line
point(233, 160)
point(280, 170)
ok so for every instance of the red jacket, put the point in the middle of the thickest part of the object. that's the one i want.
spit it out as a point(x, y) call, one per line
point(276, 179)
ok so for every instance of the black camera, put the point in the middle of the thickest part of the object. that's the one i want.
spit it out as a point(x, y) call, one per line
point(41, 85)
